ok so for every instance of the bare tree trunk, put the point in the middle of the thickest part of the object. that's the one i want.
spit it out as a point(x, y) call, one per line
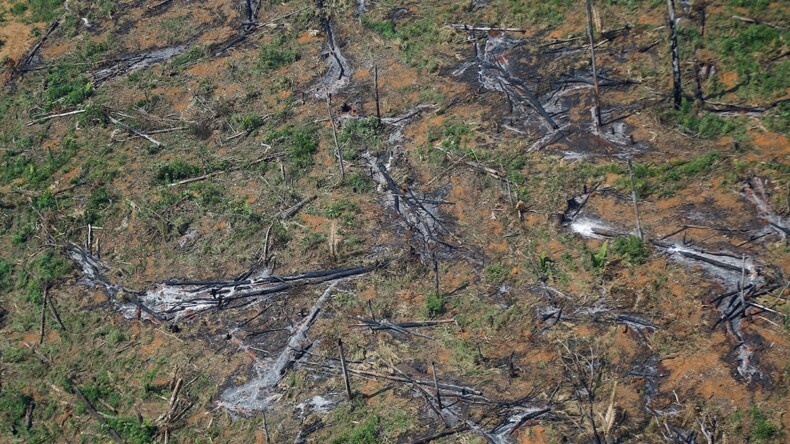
point(43, 315)
point(590, 34)
point(673, 35)
point(376, 86)
point(436, 386)
point(339, 152)
point(345, 369)
point(633, 197)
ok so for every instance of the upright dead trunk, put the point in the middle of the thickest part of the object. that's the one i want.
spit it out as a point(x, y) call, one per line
point(673, 35)
point(590, 34)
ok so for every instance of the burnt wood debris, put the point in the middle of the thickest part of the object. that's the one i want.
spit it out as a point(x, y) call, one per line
point(551, 97)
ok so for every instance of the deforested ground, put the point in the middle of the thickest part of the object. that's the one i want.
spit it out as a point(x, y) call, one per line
point(377, 221)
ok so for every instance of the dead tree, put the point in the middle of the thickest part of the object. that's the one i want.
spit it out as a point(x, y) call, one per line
point(590, 34)
point(584, 372)
point(677, 91)
point(338, 151)
point(376, 87)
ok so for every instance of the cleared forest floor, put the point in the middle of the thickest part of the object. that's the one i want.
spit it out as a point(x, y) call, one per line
point(203, 202)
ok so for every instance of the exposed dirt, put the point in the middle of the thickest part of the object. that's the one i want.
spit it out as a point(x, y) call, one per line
point(486, 209)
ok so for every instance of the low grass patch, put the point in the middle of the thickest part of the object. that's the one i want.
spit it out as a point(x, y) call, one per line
point(300, 141)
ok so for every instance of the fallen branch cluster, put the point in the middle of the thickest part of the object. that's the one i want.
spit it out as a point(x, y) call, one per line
point(399, 327)
point(419, 213)
point(183, 299)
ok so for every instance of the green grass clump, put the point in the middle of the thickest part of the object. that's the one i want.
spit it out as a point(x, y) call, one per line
point(18, 9)
point(779, 119)
point(98, 201)
point(13, 404)
point(5, 275)
point(22, 164)
point(707, 125)
point(664, 180)
point(247, 122)
point(365, 432)
point(175, 171)
point(343, 209)
point(301, 142)
point(275, 55)
point(67, 86)
point(132, 431)
point(435, 304)
point(631, 248)
point(194, 54)
point(384, 27)
point(762, 430)
point(359, 183)
point(46, 268)
point(360, 131)
point(753, 5)
point(495, 272)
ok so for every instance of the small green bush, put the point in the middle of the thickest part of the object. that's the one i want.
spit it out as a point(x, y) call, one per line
point(384, 27)
point(631, 248)
point(13, 405)
point(98, 201)
point(175, 171)
point(301, 142)
point(598, 258)
point(365, 432)
point(18, 9)
point(435, 304)
point(359, 183)
point(248, 122)
point(762, 430)
point(495, 272)
point(275, 55)
point(65, 86)
point(132, 430)
point(5, 275)
point(194, 54)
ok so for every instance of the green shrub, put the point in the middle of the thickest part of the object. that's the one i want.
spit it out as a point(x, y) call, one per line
point(631, 248)
point(598, 258)
point(779, 119)
point(359, 183)
point(18, 9)
point(46, 268)
point(495, 272)
point(384, 27)
point(434, 304)
point(275, 55)
point(311, 240)
point(132, 430)
point(44, 10)
point(13, 405)
point(753, 5)
point(762, 430)
point(194, 54)
point(248, 122)
point(22, 235)
point(98, 201)
point(360, 130)
point(301, 143)
point(365, 432)
point(343, 209)
point(175, 171)
point(707, 125)
point(66, 86)
point(5, 275)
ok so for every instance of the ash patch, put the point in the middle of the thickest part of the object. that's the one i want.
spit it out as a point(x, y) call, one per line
point(544, 94)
